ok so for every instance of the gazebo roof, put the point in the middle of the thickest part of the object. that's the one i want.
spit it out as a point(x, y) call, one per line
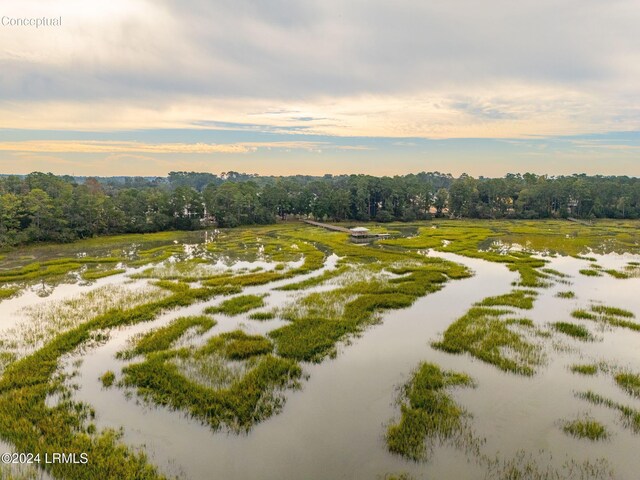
point(359, 229)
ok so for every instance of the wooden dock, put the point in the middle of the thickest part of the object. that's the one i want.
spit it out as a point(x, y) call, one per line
point(328, 227)
point(359, 233)
point(581, 222)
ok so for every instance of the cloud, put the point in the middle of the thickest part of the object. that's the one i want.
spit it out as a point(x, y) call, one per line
point(256, 127)
point(521, 110)
point(294, 50)
point(73, 146)
point(70, 146)
point(424, 68)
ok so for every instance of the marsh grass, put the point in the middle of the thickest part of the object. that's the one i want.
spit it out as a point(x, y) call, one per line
point(613, 311)
point(613, 316)
point(465, 238)
point(630, 270)
point(233, 379)
point(555, 273)
point(45, 270)
point(586, 427)
point(573, 330)
point(237, 379)
point(377, 280)
point(162, 376)
point(585, 369)
point(315, 281)
point(68, 425)
point(398, 476)
point(630, 416)
point(261, 243)
point(97, 274)
point(273, 243)
point(566, 294)
point(238, 305)
point(19, 472)
point(164, 337)
point(330, 305)
point(313, 260)
point(191, 270)
point(590, 272)
point(517, 298)
point(47, 320)
point(429, 414)
point(583, 315)
point(211, 370)
point(629, 382)
point(31, 425)
point(618, 273)
point(8, 292)
point(237, 345)
point(66, 269)
point(262, 316)
point(108, 378)
point(486, 335)
point(524, 466)
point(481, 332)
point(583, 257)
point(254, 396)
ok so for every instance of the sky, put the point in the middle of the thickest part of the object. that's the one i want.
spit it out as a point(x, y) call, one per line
point(279, 87)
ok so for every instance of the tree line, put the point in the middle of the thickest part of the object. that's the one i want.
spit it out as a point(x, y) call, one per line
point(46, 207)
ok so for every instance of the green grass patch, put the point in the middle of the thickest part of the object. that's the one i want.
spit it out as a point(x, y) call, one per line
point(108, 378)
point(8, 292)
point(629, 382)
point(554, 272)
point(573, 330)
point(612, 311)
point(517, 298)
point(237, 345)
point(584, 369)
point(583, 315)
point(247, 400)
point(467, 237)
point(616, 317)
point(617, 322)
point(428, 413)
point(630, 416)
point(315, 281)
point(27, 422)
point(44, 321)
point(620, 274)
point(588, 259)
point(162, 338)
point(630, 270)
point(527, 466)
point(566, 294)
point(236, 379)
point(590, 272)
point(97, 274)
point(586, 427)
point(262, 316)
point(486, 335)
point(377, 281)
point(238, 305)
point(398, 476)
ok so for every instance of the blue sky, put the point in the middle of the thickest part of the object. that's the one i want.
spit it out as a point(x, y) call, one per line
point(142, 88)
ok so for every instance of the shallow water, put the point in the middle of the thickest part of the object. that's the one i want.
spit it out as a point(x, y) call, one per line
point(334, 426)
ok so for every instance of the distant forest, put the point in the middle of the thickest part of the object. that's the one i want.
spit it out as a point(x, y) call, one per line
point(46, 207)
